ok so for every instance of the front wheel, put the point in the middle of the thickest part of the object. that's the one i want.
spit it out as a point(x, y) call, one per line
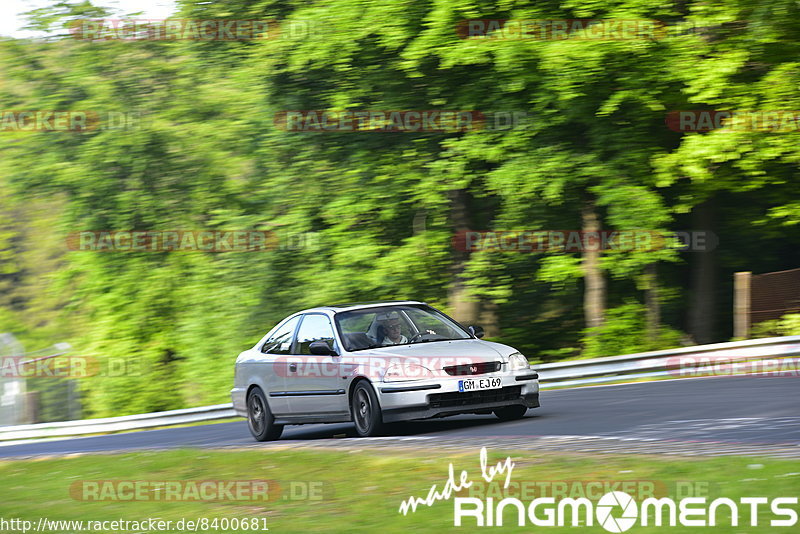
point(259, 418)
point(366, 411)
point(510, 413)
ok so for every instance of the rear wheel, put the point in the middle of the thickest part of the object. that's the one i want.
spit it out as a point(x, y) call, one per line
point(259, 418)
point(366, 411)
point(509, 413)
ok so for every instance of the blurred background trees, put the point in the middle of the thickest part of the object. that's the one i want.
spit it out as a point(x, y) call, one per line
point(378, 211)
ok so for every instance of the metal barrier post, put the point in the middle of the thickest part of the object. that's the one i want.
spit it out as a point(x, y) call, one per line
point(741, 305)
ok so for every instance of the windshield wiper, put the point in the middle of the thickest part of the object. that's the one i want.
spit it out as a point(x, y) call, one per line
point(434, 340)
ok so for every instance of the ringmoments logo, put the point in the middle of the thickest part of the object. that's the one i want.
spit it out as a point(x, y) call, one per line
point(605, 511)
point(615, 511)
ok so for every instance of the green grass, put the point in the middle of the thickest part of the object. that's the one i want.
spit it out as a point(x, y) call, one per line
point(362, 490)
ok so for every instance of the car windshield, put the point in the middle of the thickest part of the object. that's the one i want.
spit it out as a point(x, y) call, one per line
point(371, 328)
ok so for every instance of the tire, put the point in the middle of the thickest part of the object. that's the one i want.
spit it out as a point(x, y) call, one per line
point(366, 411)
point(510, 413)
point(260, 420)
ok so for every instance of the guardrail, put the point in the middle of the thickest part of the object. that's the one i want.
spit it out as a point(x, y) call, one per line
point(561, 374)
point(685, 361)
point(117, 424)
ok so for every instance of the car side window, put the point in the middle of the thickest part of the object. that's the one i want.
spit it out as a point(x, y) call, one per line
point(315, 327)
point(281, 341)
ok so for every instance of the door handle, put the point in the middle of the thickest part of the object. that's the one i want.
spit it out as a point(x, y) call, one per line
point(292, 367)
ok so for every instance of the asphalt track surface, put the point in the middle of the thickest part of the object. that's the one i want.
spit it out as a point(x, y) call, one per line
point(749, 410)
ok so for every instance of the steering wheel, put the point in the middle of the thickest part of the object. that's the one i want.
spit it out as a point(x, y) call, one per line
point(418, 335)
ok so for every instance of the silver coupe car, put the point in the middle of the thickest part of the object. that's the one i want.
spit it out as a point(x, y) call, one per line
point(377, 363)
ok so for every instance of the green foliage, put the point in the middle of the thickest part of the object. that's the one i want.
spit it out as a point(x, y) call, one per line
point(788, 325)
point(624, 332)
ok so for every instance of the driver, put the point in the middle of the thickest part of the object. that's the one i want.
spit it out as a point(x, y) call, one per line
point(391, 326)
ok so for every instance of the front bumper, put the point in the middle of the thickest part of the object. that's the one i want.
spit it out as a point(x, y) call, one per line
point(403, 401)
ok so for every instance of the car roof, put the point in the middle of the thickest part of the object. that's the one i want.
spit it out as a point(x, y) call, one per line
point(358, 305)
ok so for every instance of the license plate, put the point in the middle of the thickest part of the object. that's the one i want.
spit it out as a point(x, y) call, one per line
point(474, 384)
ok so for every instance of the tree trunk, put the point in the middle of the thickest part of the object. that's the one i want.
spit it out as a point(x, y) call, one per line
point(702, 316)
point(461, 307)
point(652, 302)
point(594, 296)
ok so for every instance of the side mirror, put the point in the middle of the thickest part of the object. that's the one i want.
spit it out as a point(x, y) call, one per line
point(476, 331)
point(321, 348)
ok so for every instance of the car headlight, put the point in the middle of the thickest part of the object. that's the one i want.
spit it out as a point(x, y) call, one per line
point(517, 361)
point(406, 371)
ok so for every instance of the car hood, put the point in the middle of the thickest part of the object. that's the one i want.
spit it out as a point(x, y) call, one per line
point(473, 350)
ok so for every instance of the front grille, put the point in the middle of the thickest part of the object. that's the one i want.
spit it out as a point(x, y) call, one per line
point(477, 368)
point(468, 398)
